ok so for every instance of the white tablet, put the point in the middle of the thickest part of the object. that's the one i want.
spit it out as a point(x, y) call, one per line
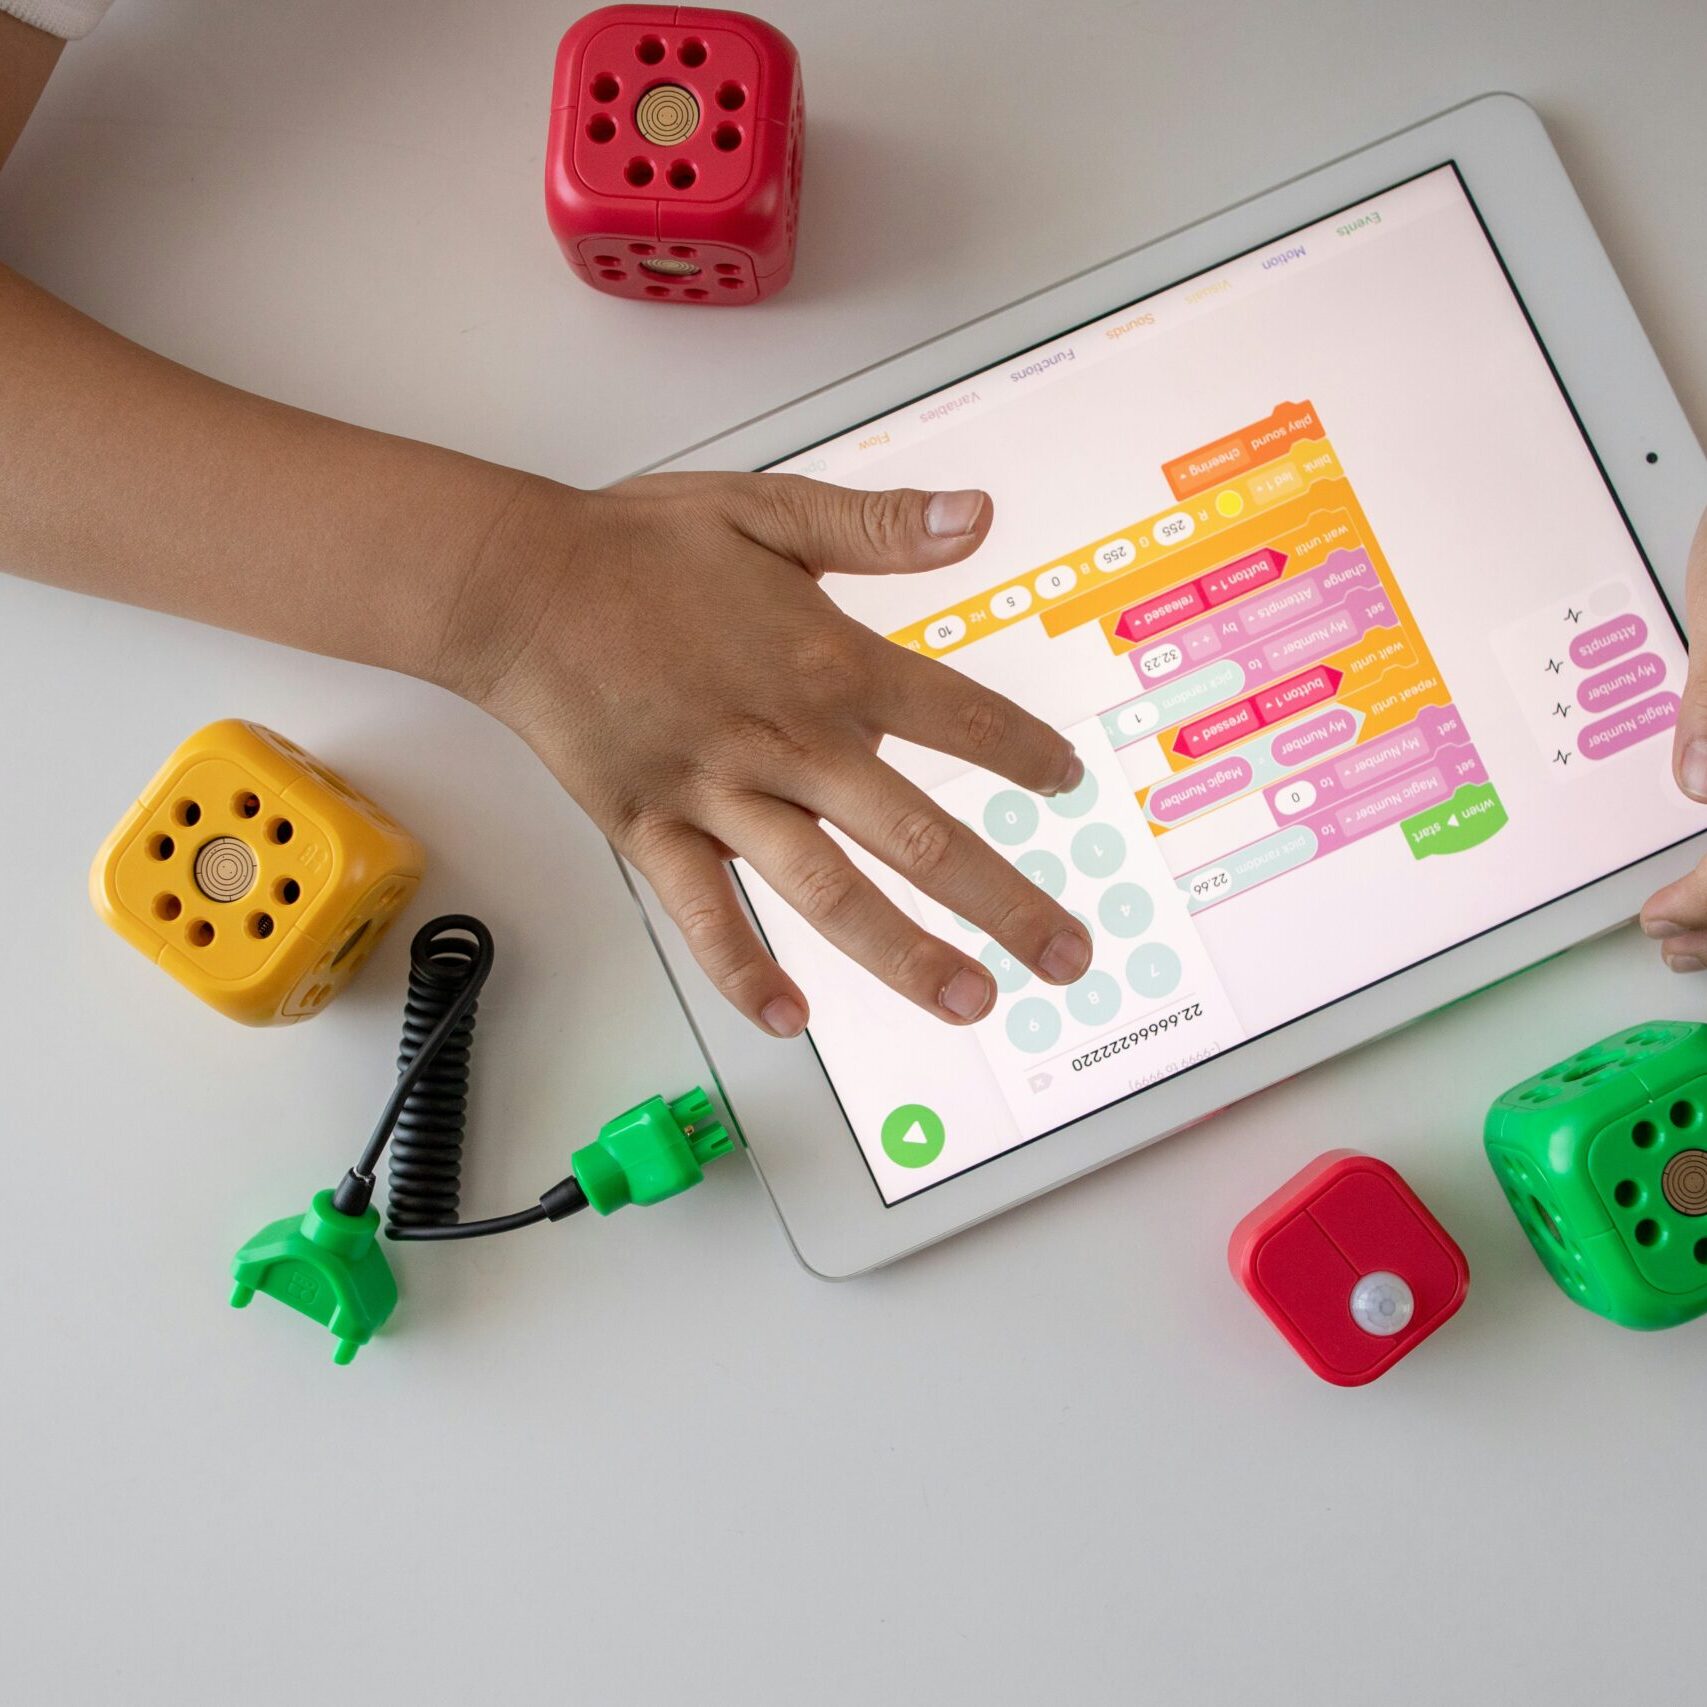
point(1342, 533)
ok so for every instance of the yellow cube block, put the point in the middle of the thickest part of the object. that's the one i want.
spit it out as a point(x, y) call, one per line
point(257, 877)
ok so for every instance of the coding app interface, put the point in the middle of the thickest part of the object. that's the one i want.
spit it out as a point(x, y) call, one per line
point(1310, 560)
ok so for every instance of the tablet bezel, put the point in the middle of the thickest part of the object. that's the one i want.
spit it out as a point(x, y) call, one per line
point(779, 1093)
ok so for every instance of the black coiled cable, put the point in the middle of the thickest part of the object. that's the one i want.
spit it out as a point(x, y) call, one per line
point(448, 962)
point(425, 1116)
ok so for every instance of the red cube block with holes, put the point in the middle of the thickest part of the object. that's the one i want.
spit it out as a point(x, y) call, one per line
point(1349, 1265)
point(672, 171)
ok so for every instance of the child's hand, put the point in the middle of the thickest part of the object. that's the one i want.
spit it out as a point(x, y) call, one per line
point(665, 647)
point(1677, 915)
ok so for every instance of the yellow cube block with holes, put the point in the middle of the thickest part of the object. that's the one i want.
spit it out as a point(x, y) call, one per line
point(257, 877)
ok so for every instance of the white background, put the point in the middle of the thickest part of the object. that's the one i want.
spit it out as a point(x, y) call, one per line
point(1061, 1458)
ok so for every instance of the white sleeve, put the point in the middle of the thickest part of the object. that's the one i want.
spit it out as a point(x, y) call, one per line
point(67, 18)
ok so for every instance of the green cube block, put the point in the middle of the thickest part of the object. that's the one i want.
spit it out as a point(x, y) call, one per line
point(1603, 1159)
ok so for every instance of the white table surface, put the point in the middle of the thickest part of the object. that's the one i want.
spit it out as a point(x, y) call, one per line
point(1059, 1459)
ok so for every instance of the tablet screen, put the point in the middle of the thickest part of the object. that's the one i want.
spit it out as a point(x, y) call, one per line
point(1309, 557)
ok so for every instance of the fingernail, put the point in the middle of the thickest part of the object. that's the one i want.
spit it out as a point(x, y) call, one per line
point(1692, 769)
point(1685, 963)
point(783, 1016)
point(966, 994)
point(950, 514)
point(1075, 775)
point(1659, 929)
point(1065, 958)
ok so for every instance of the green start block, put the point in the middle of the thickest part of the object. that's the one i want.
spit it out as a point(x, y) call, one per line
point(1603, 1159)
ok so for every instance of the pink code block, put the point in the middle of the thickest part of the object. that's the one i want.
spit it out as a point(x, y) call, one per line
point(1651, 716)
point(1165, 610)
point(1206, 734)
point(1610, 640)
point(1243, 575)
point(1287, 698)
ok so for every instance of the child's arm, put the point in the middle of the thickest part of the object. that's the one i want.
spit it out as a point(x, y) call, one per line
point(27, 59)
point(663, 645)
point(125, 475)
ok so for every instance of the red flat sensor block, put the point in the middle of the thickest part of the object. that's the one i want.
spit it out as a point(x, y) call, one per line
point(1350, 1266)
point(672, 169)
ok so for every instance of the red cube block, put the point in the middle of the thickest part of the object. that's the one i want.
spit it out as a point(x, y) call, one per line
point(672, 170)
point(1349, 1265)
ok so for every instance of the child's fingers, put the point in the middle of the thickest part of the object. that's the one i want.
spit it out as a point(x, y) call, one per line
point(833, 529)
point(1679, 908)
point(815, 877)
point(934, 706)
point(1686, 953)
point(699, 894)
point(901, 825)
point(1689, 744)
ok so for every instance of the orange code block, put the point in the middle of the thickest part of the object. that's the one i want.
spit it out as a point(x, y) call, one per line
point(255, 876)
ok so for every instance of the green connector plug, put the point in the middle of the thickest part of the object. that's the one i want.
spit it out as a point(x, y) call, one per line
point(326, 1264)
point(652, 1152)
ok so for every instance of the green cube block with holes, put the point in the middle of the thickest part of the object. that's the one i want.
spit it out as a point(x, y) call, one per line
point(1603, 1159)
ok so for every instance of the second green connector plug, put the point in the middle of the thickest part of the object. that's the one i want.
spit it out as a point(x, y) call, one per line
point(651, 1152)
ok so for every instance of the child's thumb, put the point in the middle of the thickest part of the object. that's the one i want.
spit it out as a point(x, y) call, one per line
point(833, 529)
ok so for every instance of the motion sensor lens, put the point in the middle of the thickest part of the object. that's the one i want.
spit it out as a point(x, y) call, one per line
point(1382, 1304)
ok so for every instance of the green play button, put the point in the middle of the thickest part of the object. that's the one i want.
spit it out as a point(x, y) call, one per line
point(912, 1135)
